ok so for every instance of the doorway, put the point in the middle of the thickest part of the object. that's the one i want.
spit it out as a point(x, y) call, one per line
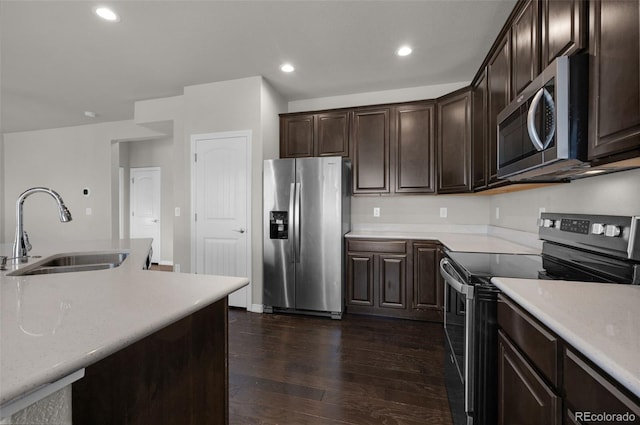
point(221, 190)
point(145, 207)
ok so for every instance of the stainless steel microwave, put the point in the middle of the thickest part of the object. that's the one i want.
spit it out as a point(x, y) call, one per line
point(542, 134)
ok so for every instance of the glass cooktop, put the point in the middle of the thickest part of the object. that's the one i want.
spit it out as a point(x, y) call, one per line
point(482, 266)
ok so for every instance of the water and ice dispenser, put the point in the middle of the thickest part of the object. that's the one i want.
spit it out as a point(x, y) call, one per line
point(279, 224)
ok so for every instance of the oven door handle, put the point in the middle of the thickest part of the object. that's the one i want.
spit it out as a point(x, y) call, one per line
point(457, 284)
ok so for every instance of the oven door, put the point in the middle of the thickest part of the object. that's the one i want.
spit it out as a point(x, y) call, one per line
point(458, 326)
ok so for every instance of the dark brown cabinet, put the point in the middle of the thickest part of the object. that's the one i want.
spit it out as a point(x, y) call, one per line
point(499, 95)
point(479, 155)
point(332, 134)
point(296, 136)
point(589, 391)
point(523, 396)
point(414, 143)
point(614, 78)
point(564, 27)
point(321, 134)
point(454, 143)
point(370, 135)
point(542, 379)
point(394, 278)
point(428, 287)
point(525, 46)
point(177, 375)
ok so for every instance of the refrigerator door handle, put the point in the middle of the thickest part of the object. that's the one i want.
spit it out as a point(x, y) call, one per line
point(293, 230)
point(297, 224)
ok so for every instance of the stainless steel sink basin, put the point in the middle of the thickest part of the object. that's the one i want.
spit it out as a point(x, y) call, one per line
point(77, 262)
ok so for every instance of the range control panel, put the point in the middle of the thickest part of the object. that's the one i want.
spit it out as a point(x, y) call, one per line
point(575, 226)
point(614, 235)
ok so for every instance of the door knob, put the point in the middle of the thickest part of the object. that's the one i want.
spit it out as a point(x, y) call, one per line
point(154, 220)
point(240, 230)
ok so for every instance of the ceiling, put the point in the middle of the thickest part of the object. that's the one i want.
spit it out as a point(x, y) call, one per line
point(58, 59)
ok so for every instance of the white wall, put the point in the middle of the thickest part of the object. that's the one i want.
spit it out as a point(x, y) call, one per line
point(420, 209)
point(612, 194)
point(158, 153)
point(2, 184)
point(66, 160)
point(375, 98)
point(243, 104)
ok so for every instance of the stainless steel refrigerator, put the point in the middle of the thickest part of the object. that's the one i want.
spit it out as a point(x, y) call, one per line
point(306, 215)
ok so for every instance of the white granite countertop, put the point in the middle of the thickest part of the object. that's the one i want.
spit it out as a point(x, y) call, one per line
point(53, 325)
point(457, 238)
point(601, 321)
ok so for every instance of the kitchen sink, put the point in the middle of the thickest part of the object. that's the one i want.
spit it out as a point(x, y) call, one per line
point(70, 263)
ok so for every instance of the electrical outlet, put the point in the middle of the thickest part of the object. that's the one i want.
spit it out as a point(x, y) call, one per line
point(177, 212)
point(176, 268)
point(88, 211)
point(497, 213)
point(376, 212)
point(541, 210)
point(443, 212)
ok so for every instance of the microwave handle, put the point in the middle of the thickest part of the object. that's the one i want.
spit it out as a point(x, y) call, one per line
point(531, 128)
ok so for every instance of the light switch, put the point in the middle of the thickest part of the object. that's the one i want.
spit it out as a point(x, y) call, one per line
point(443, 212)
point(88, 211)
point(177, 212)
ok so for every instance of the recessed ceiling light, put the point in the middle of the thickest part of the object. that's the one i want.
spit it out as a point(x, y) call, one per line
point(287, 67)
point(404, 51)
point(107, 14)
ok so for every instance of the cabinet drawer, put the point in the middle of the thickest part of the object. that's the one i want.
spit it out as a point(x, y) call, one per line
point(392, 247)
point(588, 391)
point(524, 397)
point(539, 344)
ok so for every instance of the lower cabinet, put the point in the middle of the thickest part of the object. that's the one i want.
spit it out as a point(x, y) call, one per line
point(543, 380)
point(394, 278)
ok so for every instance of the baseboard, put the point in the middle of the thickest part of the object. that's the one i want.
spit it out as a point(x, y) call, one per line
point(256, 308)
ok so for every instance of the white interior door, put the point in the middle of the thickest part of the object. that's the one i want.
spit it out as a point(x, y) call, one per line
point(145, 206)
point(222, 211)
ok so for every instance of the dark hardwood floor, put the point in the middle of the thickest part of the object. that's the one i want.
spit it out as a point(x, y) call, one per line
point(290, 369)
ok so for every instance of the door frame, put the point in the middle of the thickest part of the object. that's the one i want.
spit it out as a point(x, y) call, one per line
point(195, 138)
point(159, 170)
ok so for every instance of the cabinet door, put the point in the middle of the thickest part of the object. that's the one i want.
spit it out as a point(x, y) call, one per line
point(523, 397)
point(427, 287)
point(563, 28)
point(360, 279)
point(587, 390)
point(371, 150)
point(498, 71)
point(296, 136)
point(525, 47)
point(479, 154)
point(414, 146)
point(332, 134)
point(393, 281)
point(454, 143)
point(614, 74)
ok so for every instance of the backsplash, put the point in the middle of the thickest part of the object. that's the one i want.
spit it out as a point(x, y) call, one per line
point(615, 194)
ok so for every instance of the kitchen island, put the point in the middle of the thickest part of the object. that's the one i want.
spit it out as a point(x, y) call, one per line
point(54, 325)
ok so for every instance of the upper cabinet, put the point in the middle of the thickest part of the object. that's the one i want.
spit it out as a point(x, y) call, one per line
point(525, 47)
point(332, 134)
point(614, 79)
point(454, 143)
point(499, 95)
point(564, 25)
point(479, 163)
point(320, 134)
point(414, 147)
point(296, 136)
point(370, 135)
